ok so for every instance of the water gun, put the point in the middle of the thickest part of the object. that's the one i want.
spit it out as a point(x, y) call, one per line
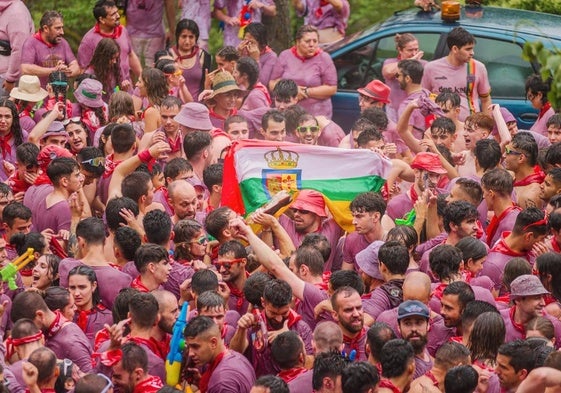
point(8, 272)
point(408, 219)
point(260, 342)
point(245, 18)
point(177, 344)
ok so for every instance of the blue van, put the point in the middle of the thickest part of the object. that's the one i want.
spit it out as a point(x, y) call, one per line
point(500, 34)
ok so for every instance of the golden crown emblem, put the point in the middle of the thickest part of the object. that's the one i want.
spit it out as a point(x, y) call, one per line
point(282, 159)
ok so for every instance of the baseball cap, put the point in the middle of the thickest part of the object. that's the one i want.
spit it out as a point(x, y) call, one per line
point(411, 308)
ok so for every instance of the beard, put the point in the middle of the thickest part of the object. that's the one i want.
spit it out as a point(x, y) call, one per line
point(352, 328)
point(419, 344)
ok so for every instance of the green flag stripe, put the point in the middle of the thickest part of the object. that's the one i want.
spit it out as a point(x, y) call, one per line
point(254, 196)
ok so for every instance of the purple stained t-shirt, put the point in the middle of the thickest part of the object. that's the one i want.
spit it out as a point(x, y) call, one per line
point(354, 243)
point(233, 374)
point(322, 15)
point(36, 52)
point(331, 135)
point(90, 41)
point(55, 217)
point(233, 9)
point(311, 72)
point(302, 383)
point(267, 61)
point(70, 342)
point(110, 280)
point(312, 297)
point(417, 119)
point(144, 18)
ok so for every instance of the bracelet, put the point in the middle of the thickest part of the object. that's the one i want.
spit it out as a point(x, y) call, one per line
point(145, 156)
point(306, 92)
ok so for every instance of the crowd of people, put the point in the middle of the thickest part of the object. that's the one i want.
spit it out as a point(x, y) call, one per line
point(450, 281)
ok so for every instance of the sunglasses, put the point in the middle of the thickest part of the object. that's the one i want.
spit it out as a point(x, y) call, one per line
point(227, 264)
point(97, 161)
point(75, 120)
point(301, 211)
point(200, 241)
point(304, 129)
point(109, 383)
point(509, 151)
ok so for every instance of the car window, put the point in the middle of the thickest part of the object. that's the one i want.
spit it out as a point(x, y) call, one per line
point(359, 66)
point(506, 69)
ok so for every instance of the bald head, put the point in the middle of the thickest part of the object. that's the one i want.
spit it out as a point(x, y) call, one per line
point(327, 337)
point(416, 286)
point(183, 198)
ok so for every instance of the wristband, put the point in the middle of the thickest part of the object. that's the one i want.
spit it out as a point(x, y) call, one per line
point(145, 156)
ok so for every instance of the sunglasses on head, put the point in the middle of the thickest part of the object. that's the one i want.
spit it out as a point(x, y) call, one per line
point(97, 161)
point(304, 129)
point(227, 264)
point(109, 383)
point(74, 120)
point(202, 240)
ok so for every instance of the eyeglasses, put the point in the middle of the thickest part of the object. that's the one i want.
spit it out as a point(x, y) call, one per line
point(304, 129)
point(509, 151)
point(530, 96)
point(75, 120)
point(301, 211)
point(227, 264)
point(109, 383)
point(200, 241)
point(97, 161)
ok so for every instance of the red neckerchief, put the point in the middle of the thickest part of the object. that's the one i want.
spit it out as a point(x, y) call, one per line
point(117, 31)
point(536, 177)
point(517, 326)
point(5, 145)
point(495, 221)
point(137, 284)
point(84, 316)
point(110, 166)
point(503, 299)
point(238, 294)
point(545, 108)
point(174, 144)
point(267, 49)
point(354, 343)
point(289, 375)
point(484, 366)
point(212, 113)
point(57, 324)
point(456, 339)
point(386, 383)
point(100, 337)
point(15, 183)
point(42, 179)
point(292, 319)
point(39, 38)
point(27, 111)
point(431, 376)
point(90, 119)
point(57, 249)
point(295, 53)
point(555, 245)
point(180, 58)
point(503, 248)
point(43, 390)
point(439, 290)
point(150, 385)
point(150, 343)
point(205, 378)
point(413, 194)
point(261, 86)
point(50, 102)
point(548, 299)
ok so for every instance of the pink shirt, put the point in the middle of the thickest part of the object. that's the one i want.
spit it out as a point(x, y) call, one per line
point(145, 21)
point(540, 126)
point(331, 135)
point(440, 75)
point(15, 27)
point(354, 243)
point(267, 62)
point(233, 9)
point(323, 16)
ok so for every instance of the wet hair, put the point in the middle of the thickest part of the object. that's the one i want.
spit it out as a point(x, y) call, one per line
point(527, 221)
point(488, 153)
point(285, 90)
point(186, 24)
point(395, 256)
point(526, 142)
point(395, 357)
point(461, 379)
point(549, 264)
point(411, 68)
point(404, 234)
point(458, 211)
point(319, 242)
point(443, 124)
point(23, 241)
point(56, 298)
point(480, 120)
point(272, 383)
point(311, 258)
point(515, 268)
point(105, 69)
point(61, 167)
point(120, 104)
point(113, 210)
point(88, 153)
point(89, 273)
point(248, 66)
point(135, 185)
point(376, 116)
point(49, 18)
point(16, 210)
point(195, 143)
point(403, 39)
point(472, 189)
point(127, 240)
point(368, 202)
point(487, 334)
point(254, 287)
point(377, 336)
point(184, 232)
point(359, 377)
point(203, 281)
point(449, 96)
point(444, 261)
point(156, 85)
point(463, 290)
point(277, 292)
point(144, 309)
point(535, 84)
point(149, 253)
point(327, 365)
point(459, 37)
point(286, 350)
point(123, 138)
point(471, 248)
point(259, 32)
point(499, 181)
point(157, 225)
point(92, 230)
point(347, 278)
point(520, 353)
point(305, 29)
point(176, 167)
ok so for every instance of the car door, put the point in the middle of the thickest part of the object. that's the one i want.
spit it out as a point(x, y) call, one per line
point(362, 62)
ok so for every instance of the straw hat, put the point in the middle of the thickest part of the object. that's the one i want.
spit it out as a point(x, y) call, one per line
point(224, 82)
point(29, 89)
